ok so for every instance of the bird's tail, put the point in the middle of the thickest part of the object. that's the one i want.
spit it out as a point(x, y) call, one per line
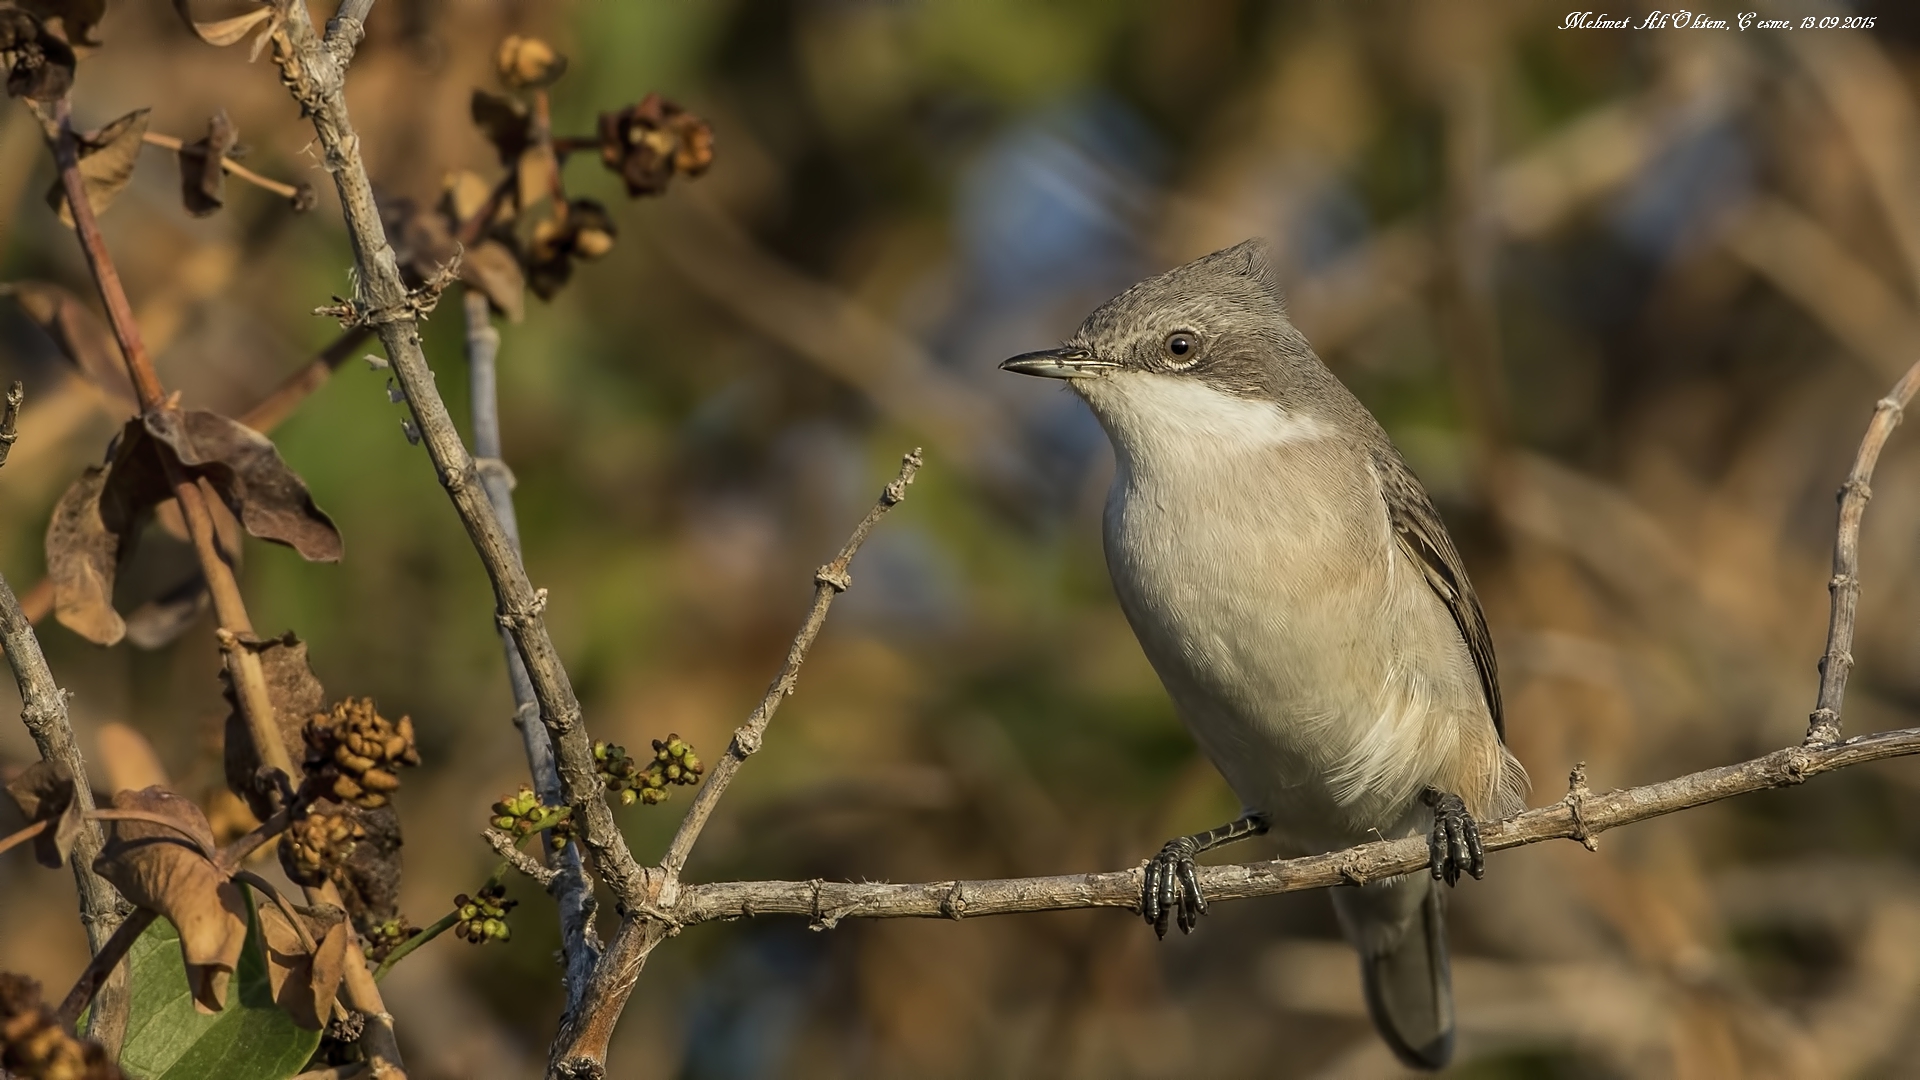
point(1399, 927)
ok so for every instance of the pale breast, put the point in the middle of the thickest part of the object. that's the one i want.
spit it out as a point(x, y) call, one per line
point(1306, 654)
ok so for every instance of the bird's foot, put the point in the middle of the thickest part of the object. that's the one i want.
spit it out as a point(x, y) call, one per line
point(1454, 844)
point(1172, 888)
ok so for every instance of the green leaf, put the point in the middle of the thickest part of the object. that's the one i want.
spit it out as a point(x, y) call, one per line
point(250, 1039)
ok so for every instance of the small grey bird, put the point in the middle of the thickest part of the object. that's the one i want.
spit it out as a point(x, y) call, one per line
point(1293, 586)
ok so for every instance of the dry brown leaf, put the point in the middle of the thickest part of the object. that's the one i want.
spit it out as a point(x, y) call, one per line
point(463, 194)
point(270, 499)
point(129, 759)
point(422, 239)
point(82, 557)
point(203, 177)
point(44, 792)
point(92, 531)
point(158, 622)
point(107, 158)
point(82, 336)
point(226, 31)
point(491, 267)
point(304, 983)
point(77, 17)
point(164, 868)
point(39, 63)
point(505, 122)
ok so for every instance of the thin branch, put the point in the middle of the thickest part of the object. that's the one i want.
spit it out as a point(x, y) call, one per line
point(569, 885)
point(44, 710)
point(268, 413)
point(1580, 816)
point(829, 581)
point(314, 71)
point(299, 195)
point(273, 893)
point(235, 854)
point(586, 1033)
point(503, 844)
point(249, 680)
point(1837, 662)
point(106, 958)
point(440, 926)
point(13, 840)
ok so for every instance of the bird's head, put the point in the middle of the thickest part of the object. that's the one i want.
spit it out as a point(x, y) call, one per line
point(1203, 347)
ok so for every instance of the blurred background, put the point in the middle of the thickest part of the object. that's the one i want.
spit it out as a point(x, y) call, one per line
point(1625, 299)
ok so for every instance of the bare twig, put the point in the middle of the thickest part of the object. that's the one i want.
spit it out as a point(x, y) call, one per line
point(299, 195)
point(586, 1032)
point(452, 918)
point(314, 71)
point(13, 840)
point(569, 884)
point(1824, 725)
point(826, 902)
point(297, 387)
point(44, 710)
point(106, 959)
point(273, 893)
point(828, 581)
point(440, 926)
point(503, 844)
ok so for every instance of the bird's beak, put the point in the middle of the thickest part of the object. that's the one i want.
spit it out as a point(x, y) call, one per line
point(1059, 364)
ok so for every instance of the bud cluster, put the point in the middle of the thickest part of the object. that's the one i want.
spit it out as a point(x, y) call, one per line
point(674, 762)
point(522, 814)
point(353, 752)
point(385, 937)
point(484, 917)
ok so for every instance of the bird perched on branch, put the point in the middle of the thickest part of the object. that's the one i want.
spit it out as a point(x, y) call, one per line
point(1296, 591)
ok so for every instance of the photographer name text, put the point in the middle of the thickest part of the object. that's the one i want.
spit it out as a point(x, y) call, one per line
point(1695, 20)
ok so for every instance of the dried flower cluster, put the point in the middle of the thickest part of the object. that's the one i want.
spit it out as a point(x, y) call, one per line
point(483, 917)
point(315, 847)
point(650, 143)
point(353, 752)
point(674, 762)
point(34, 1046)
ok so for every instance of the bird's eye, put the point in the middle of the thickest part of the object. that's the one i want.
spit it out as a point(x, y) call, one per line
point(1181, 343)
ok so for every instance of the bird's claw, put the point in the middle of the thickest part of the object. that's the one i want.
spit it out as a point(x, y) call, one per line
point(1172, 888)
point(1454, 844)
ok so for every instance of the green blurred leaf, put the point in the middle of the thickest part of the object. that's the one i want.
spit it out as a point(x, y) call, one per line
point(251, 1039)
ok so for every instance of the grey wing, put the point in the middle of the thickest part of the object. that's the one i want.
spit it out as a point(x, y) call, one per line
point(1424, 537)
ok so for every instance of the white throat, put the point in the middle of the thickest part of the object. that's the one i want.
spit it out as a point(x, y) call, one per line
point(1156, 418)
